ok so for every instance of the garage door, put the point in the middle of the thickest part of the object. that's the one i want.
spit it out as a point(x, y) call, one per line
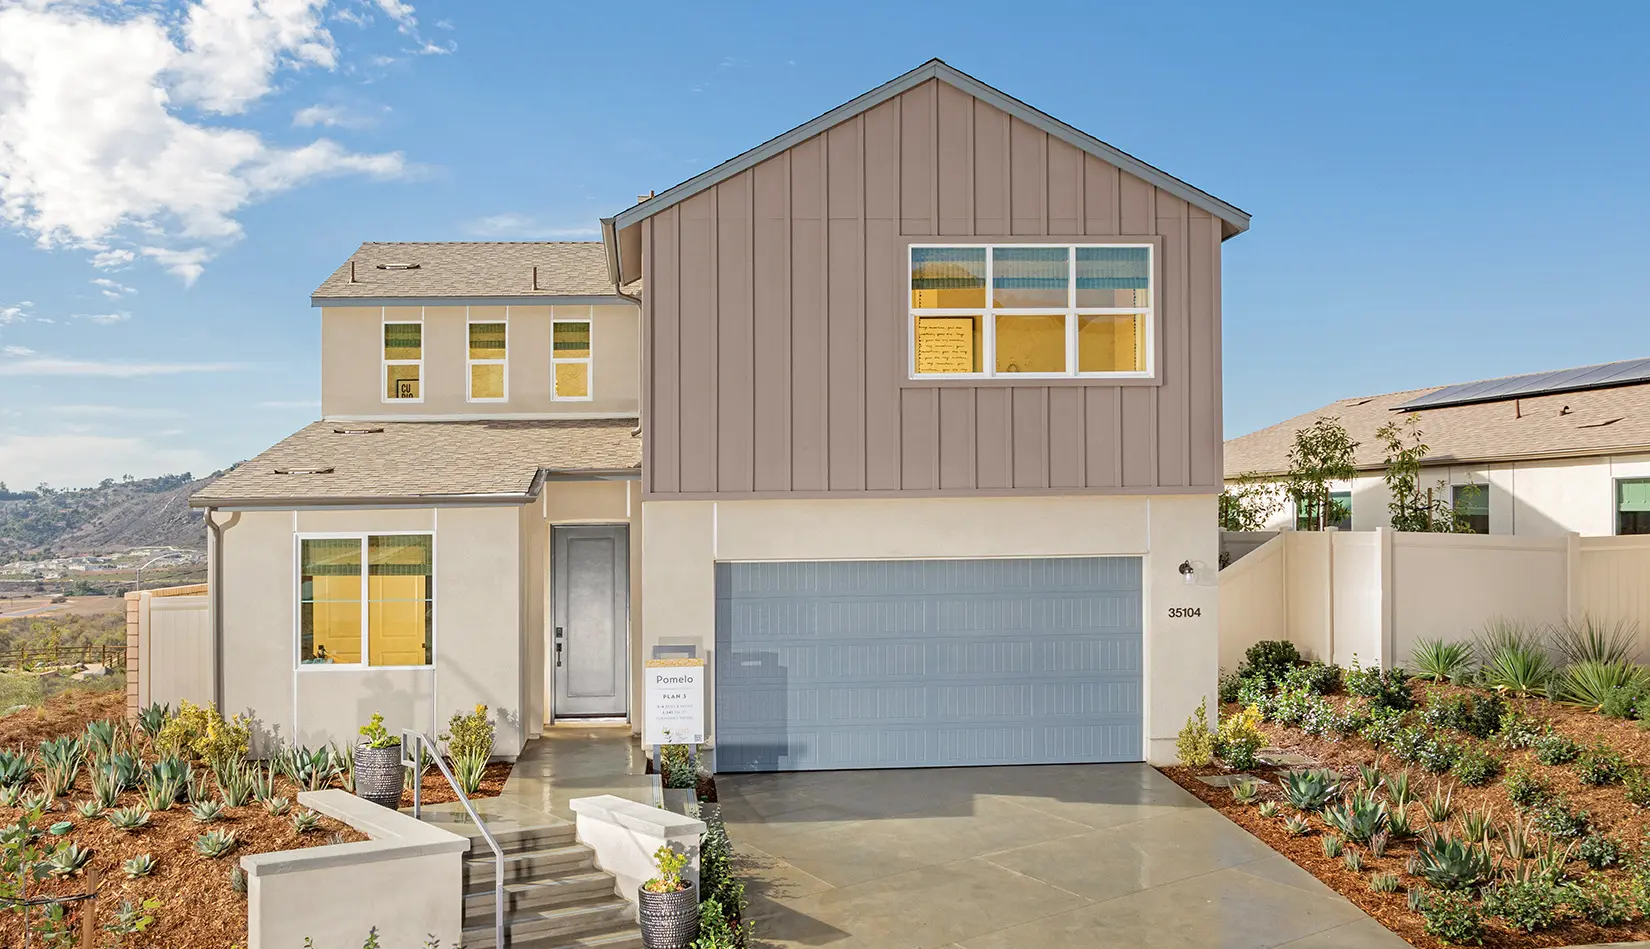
point(927, 663)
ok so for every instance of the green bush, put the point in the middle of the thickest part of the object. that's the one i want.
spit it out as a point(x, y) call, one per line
point(1624, 702)
point(1638, 787)
point(1452, 917)
point(1408, 742)
point(1270, 659)
point(1476, 715)
point(1524, 788)
point(1382, 727)
point(1195, 746)
point(1238, 738)
point(1316, 677)
point(1255, 692)
point(1598, 902)
point(1532, 905)
point(1519, 729)
point(1359, 819)
point(1438, 755)
point(1557, 819)
point(1230, 682)
point(1600, 765)
point(1599, 851)
point(1476, 767)
point(1555, 749)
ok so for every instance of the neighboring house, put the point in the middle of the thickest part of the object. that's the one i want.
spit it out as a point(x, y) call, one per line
point(1543, 453)
point(915, 437)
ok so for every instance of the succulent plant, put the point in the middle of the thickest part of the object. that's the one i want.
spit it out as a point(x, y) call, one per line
point(89, 809)
point(15, 768)
point(1451, 863)
point(67, 860)
point(1267, 809)
point(1310, 790)
point(139, 866)
point(277, 806)
point(128, 818)
point(1359, 819)
point(215, 843)
point(306, 821)
point(1385, 883)
point(205, 812)
point(1297, 826)
point(1332, 846)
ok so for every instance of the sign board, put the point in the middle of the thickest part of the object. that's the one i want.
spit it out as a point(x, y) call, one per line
point(945, 344)
point(675, 711)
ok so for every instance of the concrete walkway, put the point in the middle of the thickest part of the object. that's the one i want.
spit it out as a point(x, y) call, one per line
point(1059, 857)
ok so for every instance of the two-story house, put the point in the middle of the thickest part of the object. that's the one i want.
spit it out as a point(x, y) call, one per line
point(908, 420)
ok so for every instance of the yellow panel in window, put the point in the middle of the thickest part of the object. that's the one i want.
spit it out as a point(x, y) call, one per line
point(1031, 344)
point(486, 340)
point(572, 380)
point(401, 382)
point(948, 344)
point(396, 633)
point(1111, 343)
point(334, 631)
point(947, 277)
point(571, 340)
point(403, 341)
point(487, 381)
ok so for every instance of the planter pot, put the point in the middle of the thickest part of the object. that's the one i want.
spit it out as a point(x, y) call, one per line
point(669, 920)
point(378, 775)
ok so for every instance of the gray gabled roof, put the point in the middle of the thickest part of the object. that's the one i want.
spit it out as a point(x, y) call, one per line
point(501, 272)
point(1237, 218)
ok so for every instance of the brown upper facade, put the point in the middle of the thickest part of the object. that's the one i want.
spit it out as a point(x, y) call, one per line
point(933, 289)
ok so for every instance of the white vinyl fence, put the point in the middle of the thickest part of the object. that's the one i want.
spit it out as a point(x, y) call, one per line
point(168, 647)
point(1373, 594)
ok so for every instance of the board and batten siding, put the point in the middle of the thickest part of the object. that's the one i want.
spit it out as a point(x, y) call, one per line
point(776, 315)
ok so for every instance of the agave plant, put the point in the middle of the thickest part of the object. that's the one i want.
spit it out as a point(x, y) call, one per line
point(1385, 883)
point(1267, 809)
point(1451, 863)
point(1332, 846)
point(171, 770)
point(263, 781)
point(215, 843)
point(1297, 826)
point(1515, 839)
point(1441, 661)
point(277, 805)
point(205, 812)
point(99, 738)
point(36, 801)
point(161, 793)
point(139, 866)
point(1438, 807)
point(125, 768)
point(128, 818)
point(313, 770)
point(15, 768)
point(67, 860)
point(1587, 683)
point(237, 790)
point(1378, 843)
point(1592, 640)
point(1359, 818)
point(57, 777)
point(1310, 790)
point(153, 718)
point(1244, 792)
point(1369, 777)
point(237, 880)
point(1397, 823)
point(1398, 790)
point(196, 789)
point(305, 822)
point(88, 809)
point(1477, 825)
point(67, 751)
point(105, 787)
point(1354, 860)
point(343, 758)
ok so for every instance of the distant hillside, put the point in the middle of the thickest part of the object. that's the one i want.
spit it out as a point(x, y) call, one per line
point(113, 516)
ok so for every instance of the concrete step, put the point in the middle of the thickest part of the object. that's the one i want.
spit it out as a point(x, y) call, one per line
point(528, 865)
point(557, 926)
point(538, 894)
point(520, 839)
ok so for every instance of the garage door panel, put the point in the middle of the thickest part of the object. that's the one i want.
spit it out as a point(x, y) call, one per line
point(913, 663)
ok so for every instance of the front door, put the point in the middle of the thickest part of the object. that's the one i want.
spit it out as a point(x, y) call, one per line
point(589, 647)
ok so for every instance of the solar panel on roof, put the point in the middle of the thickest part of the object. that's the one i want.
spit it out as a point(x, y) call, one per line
point(1604, 375)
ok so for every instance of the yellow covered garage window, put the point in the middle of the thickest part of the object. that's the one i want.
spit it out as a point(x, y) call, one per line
point(366, 600)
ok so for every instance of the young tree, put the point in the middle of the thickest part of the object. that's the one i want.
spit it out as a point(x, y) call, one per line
point(1413, 507)
point(1322, 453)
point(1249, 503)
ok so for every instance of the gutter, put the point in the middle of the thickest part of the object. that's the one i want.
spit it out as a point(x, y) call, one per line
point(1557, 454)
point(427, 500)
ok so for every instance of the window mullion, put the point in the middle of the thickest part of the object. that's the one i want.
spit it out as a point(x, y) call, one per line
point(988, 339)
point(1071, 310)
point(366, 605)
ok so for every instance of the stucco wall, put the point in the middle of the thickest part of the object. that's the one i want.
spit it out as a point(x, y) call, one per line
point(480, 594)
point(352, 355)
point(683, 540)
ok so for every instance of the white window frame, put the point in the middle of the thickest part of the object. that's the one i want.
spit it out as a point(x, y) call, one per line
point(589, 319)
point(385, 363)
point(469, 375)
point(298, 600)
point(1070, 313)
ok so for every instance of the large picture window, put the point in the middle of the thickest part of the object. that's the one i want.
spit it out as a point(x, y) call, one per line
point(1031, 310)
point(403, 362)
point(366, 600)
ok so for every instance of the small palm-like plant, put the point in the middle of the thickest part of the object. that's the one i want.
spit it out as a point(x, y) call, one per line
point(1297, 826)
point(1588, 683)
point(139, 866)
point(128, 818)
point(1359, 818)
point(1592, 640)
point(215, 843)
point(205, 812)
point(1310, 790)
point(1451, 863)
point(305, 822)
point(277, 805)
point(67, 860)
point(1441, 661)
point(1521, 667)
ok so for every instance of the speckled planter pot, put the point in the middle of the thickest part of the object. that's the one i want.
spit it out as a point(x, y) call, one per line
point(378, 775)
point(669, 920)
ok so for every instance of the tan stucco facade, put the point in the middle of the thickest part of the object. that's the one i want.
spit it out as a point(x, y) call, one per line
point(352, 384)
point(684, 540)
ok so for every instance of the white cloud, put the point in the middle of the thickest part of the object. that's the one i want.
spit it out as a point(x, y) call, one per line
point(329, 116)
point(15, 313)
point(104, 319)
point(75, 460)
point(17, 351)
point(37, 365)
point(512, 226)
point(99, 143)
point(401, 13)
point(113, 289)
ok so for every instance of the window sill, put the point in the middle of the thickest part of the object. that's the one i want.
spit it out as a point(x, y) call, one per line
point(1025, 382)
point(358, 667)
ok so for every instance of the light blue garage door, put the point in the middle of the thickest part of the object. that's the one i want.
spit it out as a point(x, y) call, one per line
point(927, 663)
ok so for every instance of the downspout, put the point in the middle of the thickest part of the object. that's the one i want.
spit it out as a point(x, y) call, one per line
point(214, 580)
point(610, 237)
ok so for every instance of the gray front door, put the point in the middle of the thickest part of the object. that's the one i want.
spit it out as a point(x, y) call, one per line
point(589, 648)
point(927, 663)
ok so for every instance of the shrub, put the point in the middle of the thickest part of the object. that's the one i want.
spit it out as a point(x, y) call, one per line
point(1315, 677)
point(1600, 765)
point(1555, 749)
point(1529, 906)
point(1239, 738)
point(1195, 746)
point(1519, 729)
point(375, 735)
point(1230, 682)
point(1438, 755)
point(202, 732)
point(1556, 819)
point(1382, 727)
point(1638, 787)
point(1476, 715)
point(1439, 660)
point(1600, 851)
point(1451, 863)
point(469, 741)
point(1254, 692)
point(1270, 659)
point(1590, 683)
point(1523, 788)
point(1293, 706)
point(1452, 917)
point(1476, 767)
point(1598, 902)
point(1624, 702)
point(1384, 689)
point(1408, 742)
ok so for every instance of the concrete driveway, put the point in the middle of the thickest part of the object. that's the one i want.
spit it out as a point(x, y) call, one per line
point(1057, 857)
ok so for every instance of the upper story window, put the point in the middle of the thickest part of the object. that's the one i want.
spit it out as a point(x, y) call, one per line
point(570, 358)
point(1633, 506)
point(489, 376)
point(403, 362)
point(366, 599)
point(1471, 503)
point(1031, 310)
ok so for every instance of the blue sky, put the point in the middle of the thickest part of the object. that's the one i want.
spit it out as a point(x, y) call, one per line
point(1437, 196)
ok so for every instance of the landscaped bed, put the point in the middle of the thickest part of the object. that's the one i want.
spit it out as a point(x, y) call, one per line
point(171, 788)
point(1544, 842)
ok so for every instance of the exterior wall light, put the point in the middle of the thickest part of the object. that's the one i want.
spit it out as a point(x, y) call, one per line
point(1188, 572)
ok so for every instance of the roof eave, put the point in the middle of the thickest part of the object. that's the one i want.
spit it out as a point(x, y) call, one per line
point(416, 500)
point(541, 299)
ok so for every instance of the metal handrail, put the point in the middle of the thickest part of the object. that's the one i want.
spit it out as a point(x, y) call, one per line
point(419, 740)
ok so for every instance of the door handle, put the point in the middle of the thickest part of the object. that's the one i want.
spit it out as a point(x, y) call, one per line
point(558, 646)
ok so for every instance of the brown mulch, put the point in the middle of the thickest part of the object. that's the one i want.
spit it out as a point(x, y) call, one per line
point(1610, 813)
point(66, 713)
point(436, 790)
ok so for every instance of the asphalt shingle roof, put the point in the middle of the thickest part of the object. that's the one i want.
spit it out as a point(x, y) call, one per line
point(1591, 422)
point(409, 460)
point(471, 270)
